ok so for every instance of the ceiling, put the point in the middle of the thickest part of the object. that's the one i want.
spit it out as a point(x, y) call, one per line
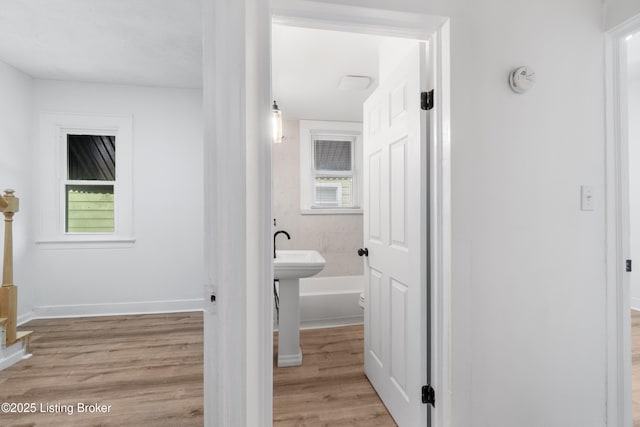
point(139, 42)
point(159, 43)
point(307, 65)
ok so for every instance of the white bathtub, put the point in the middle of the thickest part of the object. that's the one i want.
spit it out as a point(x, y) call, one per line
point(330, 301)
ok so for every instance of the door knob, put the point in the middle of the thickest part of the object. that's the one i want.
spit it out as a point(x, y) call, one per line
point(364, 252)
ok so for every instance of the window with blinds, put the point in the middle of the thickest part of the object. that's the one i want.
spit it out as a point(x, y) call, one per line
point(333, 171)
point(90, 184)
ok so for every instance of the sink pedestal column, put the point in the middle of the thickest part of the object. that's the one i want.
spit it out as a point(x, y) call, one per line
point(289, 353)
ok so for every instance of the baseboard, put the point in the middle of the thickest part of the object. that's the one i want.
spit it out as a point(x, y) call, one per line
point(115, 309)
point(290, 359)
point(635, 304)
point(332, 323)
point(24, 318)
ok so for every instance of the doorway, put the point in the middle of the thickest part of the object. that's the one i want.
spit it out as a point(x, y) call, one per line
point(239, 238)
point(435, 181)
point(321, 79)
point(623, 226)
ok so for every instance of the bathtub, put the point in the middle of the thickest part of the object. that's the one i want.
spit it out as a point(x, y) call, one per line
point(330, 301)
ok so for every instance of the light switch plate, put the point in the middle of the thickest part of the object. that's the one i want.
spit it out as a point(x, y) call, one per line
point(586, 198)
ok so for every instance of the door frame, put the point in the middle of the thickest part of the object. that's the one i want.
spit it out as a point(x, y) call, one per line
point(435, 30)
point(238, 239)
point(238, 247)
point(618, 308)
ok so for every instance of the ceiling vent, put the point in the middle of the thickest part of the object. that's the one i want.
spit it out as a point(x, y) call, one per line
point(355, 83)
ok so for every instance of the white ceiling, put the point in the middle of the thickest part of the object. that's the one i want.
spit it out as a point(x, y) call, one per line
point(159, 43)
point(307, 66)
point(140, 42)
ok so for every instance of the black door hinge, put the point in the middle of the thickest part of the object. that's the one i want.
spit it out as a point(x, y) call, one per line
point(628, 265)
point(426, 100)
point(428, 395)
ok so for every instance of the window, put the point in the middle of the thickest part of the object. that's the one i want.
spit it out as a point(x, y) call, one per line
point(333, 178)
point(330, 167)
point(85, 176)
point(90, 184)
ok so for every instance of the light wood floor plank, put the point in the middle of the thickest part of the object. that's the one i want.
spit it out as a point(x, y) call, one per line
point(635, 366)
point(149, 369)
point(330, 388)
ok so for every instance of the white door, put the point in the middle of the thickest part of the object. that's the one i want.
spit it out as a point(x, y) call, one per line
point(395, 234)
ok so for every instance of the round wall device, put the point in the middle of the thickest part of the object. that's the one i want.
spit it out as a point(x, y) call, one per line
point(522, 79)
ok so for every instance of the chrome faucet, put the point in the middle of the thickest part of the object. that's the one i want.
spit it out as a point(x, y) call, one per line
point(274, 240)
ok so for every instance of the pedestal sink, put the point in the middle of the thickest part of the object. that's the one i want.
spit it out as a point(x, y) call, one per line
point(288, 268)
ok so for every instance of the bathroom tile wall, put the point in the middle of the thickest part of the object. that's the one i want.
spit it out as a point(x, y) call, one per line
point(336, 237)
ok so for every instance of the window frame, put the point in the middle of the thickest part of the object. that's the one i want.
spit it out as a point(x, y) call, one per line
point(53, 179)
point(311, 131)
point(324, 136)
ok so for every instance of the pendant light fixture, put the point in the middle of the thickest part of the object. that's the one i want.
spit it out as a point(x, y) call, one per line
point(277, 124)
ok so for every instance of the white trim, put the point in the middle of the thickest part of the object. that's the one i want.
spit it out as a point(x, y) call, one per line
point(237, 100)
point(290, 359)
point(321, 211)
point(618, 301)
point(440, 186)
point(111, 309)
point(635, 304)
point(87, 242)
point(54, 126)
point(260, 237)
point(24, 318)
point(335, 322)
point(330, 131)
point(355, 19)
point(117, 309)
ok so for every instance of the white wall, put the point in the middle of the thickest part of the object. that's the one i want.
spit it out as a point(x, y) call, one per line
point(528, 294)
point(15, 173)
point(336, 237)
point(165, 264)
point(618, 11)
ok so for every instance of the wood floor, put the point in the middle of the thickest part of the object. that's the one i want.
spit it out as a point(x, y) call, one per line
point(635, 365)
point(148, 368)
point(330, 388)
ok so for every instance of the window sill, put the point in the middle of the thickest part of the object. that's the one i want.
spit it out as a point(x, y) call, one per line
point(87, 242)
point(329, 211)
